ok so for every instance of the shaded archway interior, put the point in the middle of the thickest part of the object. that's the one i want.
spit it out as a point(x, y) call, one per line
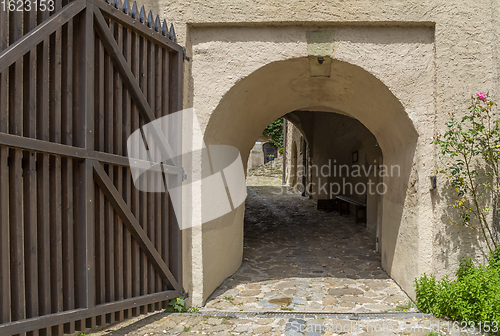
point(278, 88)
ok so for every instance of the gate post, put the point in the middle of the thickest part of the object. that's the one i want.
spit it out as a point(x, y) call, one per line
point(84, 133)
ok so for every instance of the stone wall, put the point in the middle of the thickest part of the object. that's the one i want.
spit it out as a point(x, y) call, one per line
point(397, 67)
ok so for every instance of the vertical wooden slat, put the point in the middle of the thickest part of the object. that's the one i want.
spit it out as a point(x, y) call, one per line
point(109, 221)
point(5, 236)
point(100, 202)
point(16, 215)
point(100, 145)
point(67, 173)
point(136, 261)
point(158, 113)
point(143, 56)
point(101, 266)
point(29, 100)
point(176, 105)
point(117, 142)
point(165, 87)
point(55, 174)
point(127, 118)
point(151, 196)
point(4, 185)
point(42, 124)
point(30, 179)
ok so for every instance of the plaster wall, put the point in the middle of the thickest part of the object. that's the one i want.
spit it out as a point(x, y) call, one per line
point(398, 67)
point(256, 156)
point(294, 156)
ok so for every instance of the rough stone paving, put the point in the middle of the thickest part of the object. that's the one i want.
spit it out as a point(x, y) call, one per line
point(300, 266)
point(196, 324)
point(298, 258)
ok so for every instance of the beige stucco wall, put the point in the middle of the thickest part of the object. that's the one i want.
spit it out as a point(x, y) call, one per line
point(256, 156)
point(294, 156)
point(397, 66)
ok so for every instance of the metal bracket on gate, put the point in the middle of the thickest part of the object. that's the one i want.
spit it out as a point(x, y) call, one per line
point(184, 55)
point(183, 175)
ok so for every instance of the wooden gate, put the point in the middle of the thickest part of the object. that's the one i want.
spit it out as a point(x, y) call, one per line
point(80, 246)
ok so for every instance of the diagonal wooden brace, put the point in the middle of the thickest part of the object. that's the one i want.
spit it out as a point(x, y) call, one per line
point(130, 81)
point(37, 35)
point(104, 182)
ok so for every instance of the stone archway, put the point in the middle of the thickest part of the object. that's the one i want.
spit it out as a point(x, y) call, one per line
point(252, 103)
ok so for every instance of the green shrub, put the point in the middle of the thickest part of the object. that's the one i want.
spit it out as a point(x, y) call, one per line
point(466, 267)
point(473, 297)
point(495, 257)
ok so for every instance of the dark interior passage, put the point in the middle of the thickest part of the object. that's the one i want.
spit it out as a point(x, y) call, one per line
point(299, 258)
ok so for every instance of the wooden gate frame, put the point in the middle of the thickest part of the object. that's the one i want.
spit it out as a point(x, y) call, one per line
point(93, 13)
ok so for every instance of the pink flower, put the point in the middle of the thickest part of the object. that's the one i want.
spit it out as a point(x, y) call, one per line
point(481, 96)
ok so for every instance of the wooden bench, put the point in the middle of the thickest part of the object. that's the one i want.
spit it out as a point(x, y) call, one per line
point(360, 206)
point(328, 204)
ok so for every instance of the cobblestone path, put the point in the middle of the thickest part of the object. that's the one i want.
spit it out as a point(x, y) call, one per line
point(305, 272)
point(298, 258)
point(290, 325)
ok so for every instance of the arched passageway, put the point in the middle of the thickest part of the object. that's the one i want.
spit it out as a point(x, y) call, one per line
point(300, 256)
point(278, 88)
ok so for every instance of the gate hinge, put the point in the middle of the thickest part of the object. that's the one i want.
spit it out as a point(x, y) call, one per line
point(184, 293)
point(184, 55)
point(183, 175)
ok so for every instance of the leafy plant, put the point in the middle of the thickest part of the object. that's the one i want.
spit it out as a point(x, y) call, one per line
point(275, 131)
point(194, 310)
point(466, 267)
point(494, 260)
point(432, 333)
point(471, 146)
point(177, 304)
point(473, 297)
point(405, 307)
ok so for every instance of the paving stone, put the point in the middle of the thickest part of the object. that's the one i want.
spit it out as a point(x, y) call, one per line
point(357, 299)
point(251, 292)
point(244, 300)
point(217, 328)
point(286, 284)
point(395, 299)
point(264, 321)
point(295, 320)
point(348, 304)
point(214, 320)
point(378, 307)
point(264, 329)
point(376, 284)
point(344, 291)
point(315, 322)
point(330, 300)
